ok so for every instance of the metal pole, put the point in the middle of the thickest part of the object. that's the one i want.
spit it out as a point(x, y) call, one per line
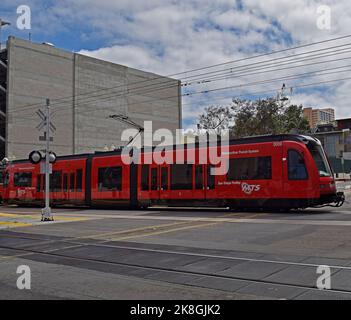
point(46, 212)
point(343, 166)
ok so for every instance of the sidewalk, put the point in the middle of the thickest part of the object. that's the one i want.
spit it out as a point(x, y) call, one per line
point(344, 186)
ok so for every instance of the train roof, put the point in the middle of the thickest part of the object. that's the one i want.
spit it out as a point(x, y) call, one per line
point(247, 140)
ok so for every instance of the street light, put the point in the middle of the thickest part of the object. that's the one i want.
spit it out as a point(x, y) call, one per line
point(2, 24)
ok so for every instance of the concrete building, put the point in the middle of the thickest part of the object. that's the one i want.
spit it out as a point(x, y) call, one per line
point(343, 123)
point(337, 145)
point(84, 92)
point(319, 116)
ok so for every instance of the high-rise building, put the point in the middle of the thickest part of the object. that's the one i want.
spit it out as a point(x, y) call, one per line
point(84, 92)
point(319, 116)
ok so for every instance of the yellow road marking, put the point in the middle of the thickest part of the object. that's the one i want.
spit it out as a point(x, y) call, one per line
point(255, 215)
point(15, 220)
point(167, 231)
point(39, 217)
point(10, 215)
point(123, 234)
point(151, 228)
point(60, 218)
point(199, 225)
point(5, 258)
point(18, 213)
point(231, 215)
point(243, 215)
point(14, 224)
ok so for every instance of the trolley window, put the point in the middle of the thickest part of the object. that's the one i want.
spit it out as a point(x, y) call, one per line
point(38, 182)
point(43, 182)
point(6, 179)
point(22, 179)
point(145, 177)
point(154, 184)
point(199, 184)
point(65, 182)
point(1, 177)
point(296, 166)
point(164, 178)
point(56, 181)
point(181, 176)
point(258, 168)
point(72, 179)
point(210, 178)
point(320, 160)
point(79, 180)
point(110, 179)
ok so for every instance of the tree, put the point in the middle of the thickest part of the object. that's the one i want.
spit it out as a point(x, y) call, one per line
point(215, 119)
point(255, 117)
point(244, 113)
point(267, 116)
point(294, 120)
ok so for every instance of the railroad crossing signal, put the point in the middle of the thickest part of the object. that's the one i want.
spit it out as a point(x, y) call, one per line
point(43, 138)
point(43, 125)
point(46, 167)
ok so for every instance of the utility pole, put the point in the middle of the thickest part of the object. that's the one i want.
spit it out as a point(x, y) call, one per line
point(46, 212)
point(282, 97)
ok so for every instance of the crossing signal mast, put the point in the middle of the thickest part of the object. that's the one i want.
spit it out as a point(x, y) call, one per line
point(49, 158)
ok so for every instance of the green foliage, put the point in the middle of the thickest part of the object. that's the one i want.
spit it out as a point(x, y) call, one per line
point(294, 120)
point(215, 118)
point(255, 117)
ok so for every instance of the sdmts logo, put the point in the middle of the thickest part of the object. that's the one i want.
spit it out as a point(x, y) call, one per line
point(250, 188)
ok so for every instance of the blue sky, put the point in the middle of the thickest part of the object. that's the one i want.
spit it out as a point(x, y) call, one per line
point(169, 36)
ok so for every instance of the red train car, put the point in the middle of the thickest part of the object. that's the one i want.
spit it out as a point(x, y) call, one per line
point(1, 185)
point(285, 171)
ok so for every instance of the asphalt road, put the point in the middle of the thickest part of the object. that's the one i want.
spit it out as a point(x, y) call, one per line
point(175, 254)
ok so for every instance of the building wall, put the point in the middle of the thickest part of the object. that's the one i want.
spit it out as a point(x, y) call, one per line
point(344, 124)
point(37, 72)
point(319, 116)
point(307, 112)
point(135, 93)
point(337, 144)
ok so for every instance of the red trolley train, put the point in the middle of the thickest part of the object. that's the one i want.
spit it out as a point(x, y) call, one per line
point(1, 185)
point(284, 171)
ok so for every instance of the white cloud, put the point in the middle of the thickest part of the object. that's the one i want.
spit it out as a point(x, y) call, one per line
point(170, 36)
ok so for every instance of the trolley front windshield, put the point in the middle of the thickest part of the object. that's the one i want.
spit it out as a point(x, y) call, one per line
point(320, 159)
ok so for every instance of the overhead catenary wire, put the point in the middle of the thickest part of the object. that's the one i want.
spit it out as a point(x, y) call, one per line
point(317, 73)
point(208, 67)
point(164, 87)
point(233, 74)
point(205, 91)
point(194, 78)
point(164, 98)
point(260, 82)
point(108, 97)
point(253, 93)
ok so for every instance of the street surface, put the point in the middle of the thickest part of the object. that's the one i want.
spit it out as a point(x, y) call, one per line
point(175, 254)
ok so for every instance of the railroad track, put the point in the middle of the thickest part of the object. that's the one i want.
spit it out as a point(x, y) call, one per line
point(65, 255)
